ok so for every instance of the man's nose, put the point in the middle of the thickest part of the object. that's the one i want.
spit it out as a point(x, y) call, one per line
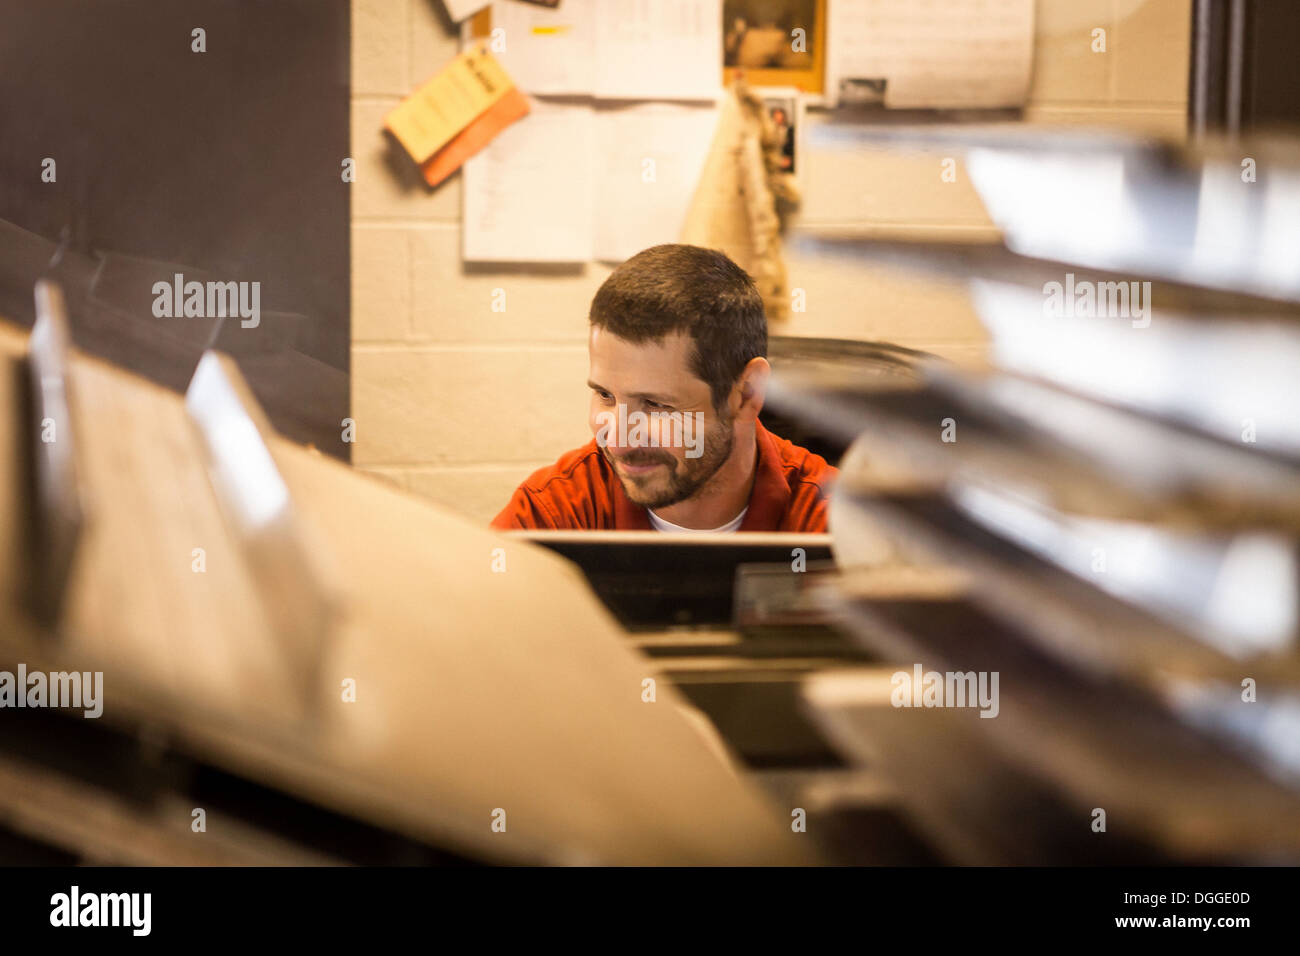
point(629, 437)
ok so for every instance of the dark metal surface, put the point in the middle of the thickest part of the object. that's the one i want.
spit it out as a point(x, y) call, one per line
point(656, 580)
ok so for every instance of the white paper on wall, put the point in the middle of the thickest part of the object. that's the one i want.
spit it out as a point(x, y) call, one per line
point(649, 158)
point(612, 49)
point(665, 49)
point(546, 51)
point(933, 53)
point(572, 182)
point(528, 195)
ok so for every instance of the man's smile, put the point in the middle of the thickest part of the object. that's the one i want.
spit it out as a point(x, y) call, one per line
point(633, 466)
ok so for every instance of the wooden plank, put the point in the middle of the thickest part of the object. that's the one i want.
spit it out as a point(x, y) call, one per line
point(476, 689)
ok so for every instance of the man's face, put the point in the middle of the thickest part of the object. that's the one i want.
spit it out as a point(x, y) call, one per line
point(683, 441)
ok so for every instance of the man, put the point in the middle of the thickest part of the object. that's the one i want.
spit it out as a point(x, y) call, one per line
point(677, 372)
point(785, 135)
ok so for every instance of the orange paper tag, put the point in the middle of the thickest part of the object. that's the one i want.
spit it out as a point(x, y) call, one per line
point(480, 132)
point(444, 106)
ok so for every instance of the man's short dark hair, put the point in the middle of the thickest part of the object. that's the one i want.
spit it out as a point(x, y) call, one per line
point(679, 288)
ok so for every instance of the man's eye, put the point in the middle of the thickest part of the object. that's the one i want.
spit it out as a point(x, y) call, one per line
point(656, 406)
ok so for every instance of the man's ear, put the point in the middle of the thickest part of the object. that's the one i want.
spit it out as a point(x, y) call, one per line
point(752, 387)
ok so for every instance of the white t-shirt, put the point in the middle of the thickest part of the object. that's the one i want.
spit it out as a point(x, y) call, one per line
point(659, 524)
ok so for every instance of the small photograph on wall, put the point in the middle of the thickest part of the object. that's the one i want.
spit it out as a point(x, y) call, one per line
point(782, 108)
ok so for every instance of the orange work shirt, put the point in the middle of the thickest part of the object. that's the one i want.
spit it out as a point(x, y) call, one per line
point(581, 491)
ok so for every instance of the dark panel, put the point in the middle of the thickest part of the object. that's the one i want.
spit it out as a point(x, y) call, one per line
point(1272, 88)
point(1242, 70)
point(223, 165)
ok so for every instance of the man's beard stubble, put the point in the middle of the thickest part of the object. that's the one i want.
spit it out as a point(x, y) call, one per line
point(686, 476)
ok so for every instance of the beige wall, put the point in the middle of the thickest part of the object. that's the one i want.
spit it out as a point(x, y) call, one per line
point(458, 402)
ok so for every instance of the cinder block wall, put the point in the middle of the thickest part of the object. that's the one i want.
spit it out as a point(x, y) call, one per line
point(459, 402)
